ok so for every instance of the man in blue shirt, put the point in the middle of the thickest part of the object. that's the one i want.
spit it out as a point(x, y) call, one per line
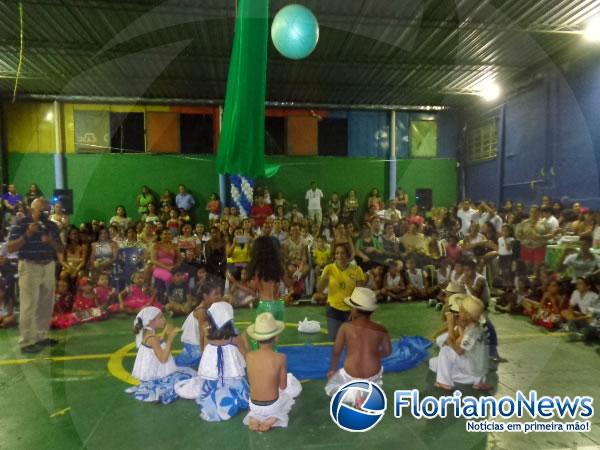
point(184, 200)
point(37, 241)
point(10, 201)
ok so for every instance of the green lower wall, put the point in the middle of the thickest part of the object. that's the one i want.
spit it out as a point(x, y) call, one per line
point(101, 181)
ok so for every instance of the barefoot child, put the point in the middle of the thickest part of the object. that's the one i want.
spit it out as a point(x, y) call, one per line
point(464, 357)
point(366, 344)
point(272, 388)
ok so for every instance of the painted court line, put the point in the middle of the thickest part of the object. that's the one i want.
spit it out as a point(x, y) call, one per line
point(16, 362)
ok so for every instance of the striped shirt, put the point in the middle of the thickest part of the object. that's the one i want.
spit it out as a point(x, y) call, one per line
point(34, 249)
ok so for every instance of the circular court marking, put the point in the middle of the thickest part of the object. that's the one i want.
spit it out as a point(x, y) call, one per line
point(115, 361)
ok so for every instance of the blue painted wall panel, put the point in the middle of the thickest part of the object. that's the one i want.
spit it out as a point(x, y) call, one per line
point(552, 138)
point(369, 134)
point(482, 181)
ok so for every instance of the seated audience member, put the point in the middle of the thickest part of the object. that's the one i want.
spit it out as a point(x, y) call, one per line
point(582, 304)
point(242, 293)
point(7, 313)
point(416, 280)
point(179, 299)
point(321, 255)
point(394, 288)
point(547, 312)
point(582, 262)
point(294, 281)
point(74, 257)
point(515, 301)
point(414, 243)
point(368, 248)
point(453, 250)
point(137, 295)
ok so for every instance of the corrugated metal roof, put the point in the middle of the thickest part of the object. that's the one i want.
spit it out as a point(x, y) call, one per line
point(387, 52)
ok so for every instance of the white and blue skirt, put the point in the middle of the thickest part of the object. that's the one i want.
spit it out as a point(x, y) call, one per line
point(161, 390)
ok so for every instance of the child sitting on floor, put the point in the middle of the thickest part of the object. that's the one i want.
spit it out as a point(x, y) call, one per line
point(416, 280)
point(105, 294)
point(272, 388)
point(242, 293)
point(63, 305)
point(366, 344)
point(464, 356)
point(194, 327)
point(547, 311)
point(179, 299)
point(137, 295)
point(220, 388)
point(394, 288)
point(7, 315)
point(582, 304)
point(154, 366)
point(85, 306)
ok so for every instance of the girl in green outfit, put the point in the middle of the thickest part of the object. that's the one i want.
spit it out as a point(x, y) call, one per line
point(266, 268)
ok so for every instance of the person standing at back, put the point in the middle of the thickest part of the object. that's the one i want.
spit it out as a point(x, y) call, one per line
point(313, 197)
point(37, 241)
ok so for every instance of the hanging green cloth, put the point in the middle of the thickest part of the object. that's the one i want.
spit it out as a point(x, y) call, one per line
point(242, 142)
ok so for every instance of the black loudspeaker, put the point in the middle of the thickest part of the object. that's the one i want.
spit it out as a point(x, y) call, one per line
point(424, 199)
point(65, 198)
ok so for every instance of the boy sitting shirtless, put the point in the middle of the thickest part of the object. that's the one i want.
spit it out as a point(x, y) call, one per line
point(272, 388)
point(366, 343)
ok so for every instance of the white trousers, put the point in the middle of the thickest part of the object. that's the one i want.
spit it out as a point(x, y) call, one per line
point(451, 368)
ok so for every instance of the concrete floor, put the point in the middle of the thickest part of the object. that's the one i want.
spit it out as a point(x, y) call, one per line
point(67, 398)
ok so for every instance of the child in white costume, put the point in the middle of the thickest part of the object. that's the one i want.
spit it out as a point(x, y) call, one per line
point(220, 389)
point(463, 357)
point(154, 366)
point(190, 338)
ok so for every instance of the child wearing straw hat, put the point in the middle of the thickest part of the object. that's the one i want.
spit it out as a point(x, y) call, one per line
point(464, 357)
point(272, 388)
point(366, 343)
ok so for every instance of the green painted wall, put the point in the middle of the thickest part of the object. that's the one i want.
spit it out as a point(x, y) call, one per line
point(101, 181)
point(364, 174)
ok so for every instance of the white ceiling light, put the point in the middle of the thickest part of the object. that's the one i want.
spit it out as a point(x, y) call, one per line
point(592, 30)
point(489, 91)
point(49, 116)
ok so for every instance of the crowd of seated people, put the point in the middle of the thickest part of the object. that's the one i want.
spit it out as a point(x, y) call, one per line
point(124, 262)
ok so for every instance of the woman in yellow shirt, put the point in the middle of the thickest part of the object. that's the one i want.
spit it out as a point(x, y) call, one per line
point(238, 252)
point(340, 278)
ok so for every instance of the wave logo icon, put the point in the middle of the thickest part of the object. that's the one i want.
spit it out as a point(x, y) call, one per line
point(358, 406)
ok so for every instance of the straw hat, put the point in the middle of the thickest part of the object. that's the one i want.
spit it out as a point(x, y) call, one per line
point(455, 288)
point(362, 298)
point(473, 307)
point(455, 301)
point(265, 327)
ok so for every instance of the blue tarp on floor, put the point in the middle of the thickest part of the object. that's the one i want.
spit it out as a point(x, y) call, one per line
point(311, 362)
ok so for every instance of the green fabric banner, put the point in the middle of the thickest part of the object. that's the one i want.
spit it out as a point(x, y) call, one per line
point(242, 142)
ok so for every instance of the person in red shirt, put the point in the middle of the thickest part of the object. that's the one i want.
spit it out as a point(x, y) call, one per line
point(260, 211)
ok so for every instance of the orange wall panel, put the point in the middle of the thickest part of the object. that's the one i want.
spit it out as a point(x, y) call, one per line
point(302, 135)
point(163, 132)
